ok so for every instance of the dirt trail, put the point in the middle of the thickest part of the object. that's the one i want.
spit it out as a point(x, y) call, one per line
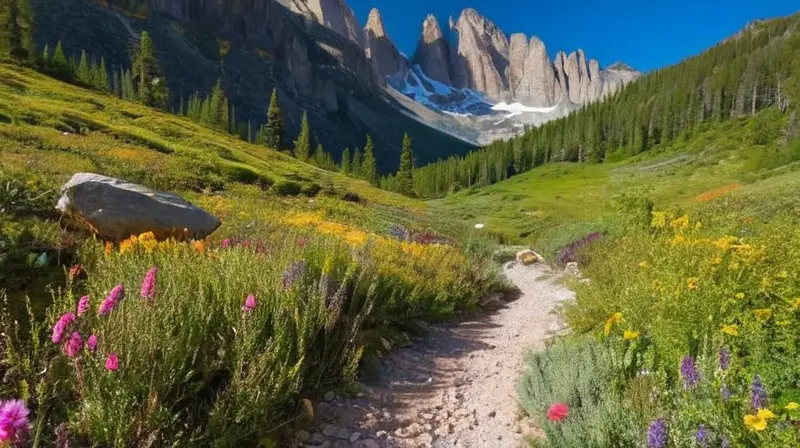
point(455, 388)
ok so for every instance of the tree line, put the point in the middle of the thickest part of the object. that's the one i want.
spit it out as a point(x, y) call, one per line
point(755, 70)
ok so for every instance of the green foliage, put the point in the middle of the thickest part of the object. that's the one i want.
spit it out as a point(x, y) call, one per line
point(273, 131)
point(212, 110)
point(83, 74)
point(369, 167)
point(302, 146)
point(59, 64)
point(16, 31)
point(151, 86)
point(355, 167)
point(287, 188)
point(346, 161)
point(405, 181)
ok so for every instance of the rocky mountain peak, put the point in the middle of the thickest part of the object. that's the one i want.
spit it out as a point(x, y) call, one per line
point(431, 31)
point(433, 52)
point(620, 67)
point(375, 23)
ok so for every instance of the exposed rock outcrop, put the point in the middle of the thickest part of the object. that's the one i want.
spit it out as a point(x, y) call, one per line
point(433, 52)
point(115, 209)
point(538, 87)
point(334, 14)
point(481, 56)
point(383, 54)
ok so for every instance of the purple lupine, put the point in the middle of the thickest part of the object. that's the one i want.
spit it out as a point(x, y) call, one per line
point(657, 434)
point(249, 304)
point(91, 343)
point(759, 398)
point(61, 326)
point(702, 436)
point(294, 272)
point(149, 284)
point(73, 346)
point(689, 372)
point(725, 392)
point(83, 305)
point(111, 300)
point(112, 362)
point(724, 359)
point(117, 293)
point(13, 421)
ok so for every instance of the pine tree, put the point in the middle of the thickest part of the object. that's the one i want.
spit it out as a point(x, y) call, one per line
point(318, 157)
point(84, 73)
point(273, 132)
point(16, 30)
point(355, 167)
point(151, 87)
point(345, 166)
point(101, 81)
point(45, 58)
point(405, 181)
point(302, 146)
point(59, 64)
point(369, 168)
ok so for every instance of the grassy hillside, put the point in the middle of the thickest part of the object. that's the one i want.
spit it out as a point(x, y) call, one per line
point(308, 277)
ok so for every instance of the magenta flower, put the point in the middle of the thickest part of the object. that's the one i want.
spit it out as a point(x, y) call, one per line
point(83, 305)
point(106, 307)
point(112, 362)
point(117, 293)
point(111, 300)
point(91, 343)
point(226, 243)
point(13, 421)
point(61, 326)
point(249, 304)
point(73, 346)
point(149, 284)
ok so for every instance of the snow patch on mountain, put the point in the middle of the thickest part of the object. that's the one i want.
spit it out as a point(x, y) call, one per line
point(518, 109)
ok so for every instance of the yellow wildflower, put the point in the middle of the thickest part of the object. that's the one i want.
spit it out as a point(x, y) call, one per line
point(796, 304)
point(763, 314)
point(698, 225)
point(109, 247)
point(680, 223)
point(644, 265)
point(148, 242)
point(716, 260)
point(659, 220)
point(656, 285)
point(791, 406)
point(724, 243)
point(679, 239)
point(766, 283)
point(783, 275)
point(199, 246)
point(758, 422)
point(127, 245)
point(692, 283)
point(328, 267)
point(616, 317)
point(630, 335)
point(731, 330)
point(740, 295)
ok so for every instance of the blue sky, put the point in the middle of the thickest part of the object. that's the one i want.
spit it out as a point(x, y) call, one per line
point(646, 35)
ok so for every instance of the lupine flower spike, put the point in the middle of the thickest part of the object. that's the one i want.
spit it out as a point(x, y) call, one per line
point(91, 343)
point(83, 305)
point(657, 434)
point(61, 326)
point(689, 372)
point(149, 284)
point(13, 421)
point(112, 362)
point(73, 346)
point(249, 304)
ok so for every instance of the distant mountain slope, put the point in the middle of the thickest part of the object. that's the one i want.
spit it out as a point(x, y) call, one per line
point(755, 70)
point(255, 46)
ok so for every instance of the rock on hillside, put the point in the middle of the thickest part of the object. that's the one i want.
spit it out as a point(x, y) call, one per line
point(115, 209)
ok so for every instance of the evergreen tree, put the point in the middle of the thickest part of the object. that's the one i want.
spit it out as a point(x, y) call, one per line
point(16, 30)
point(355, 167)
point(345, 166)
point(45, 58)
point(59, 64)
point(302, 146)
point(405, 182)
point(369, 167)
point(128, 89)
point(151, 87)
point(84, 73)
point(273, 131)
point(101, 81)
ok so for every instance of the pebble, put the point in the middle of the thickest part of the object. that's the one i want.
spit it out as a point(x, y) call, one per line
point(343, 434)
point(329, 430)
point(368, 443)
point(492, 414)
point(354, 437)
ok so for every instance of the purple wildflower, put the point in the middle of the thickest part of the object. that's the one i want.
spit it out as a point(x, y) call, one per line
point(759, 398)
point(73, 346)
point(689, 372)
point(111, 300)
point(725, 392)
point(83, 305)
point(91, 343)
point(249, 304)
point(112, 362)
point(13, 421)
point(725, 443)
point(226, 243)
point(117, 293)
point(657, 434)
point(702, 436)
point(61, 326)
point(294, 272)
point(724, 359)
point(149, 284)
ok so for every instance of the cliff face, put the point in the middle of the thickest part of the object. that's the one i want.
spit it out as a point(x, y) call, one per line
point(386, 59)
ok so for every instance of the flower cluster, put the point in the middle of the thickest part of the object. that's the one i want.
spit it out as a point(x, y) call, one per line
point(13, 421)
point(112, 299)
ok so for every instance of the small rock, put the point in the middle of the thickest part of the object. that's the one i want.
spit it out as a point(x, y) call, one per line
point(329, 395)
point(492, 414)
point(381, 434)
point(368, 443)
point(343, 433)
point(425, 416)
point(302, 436)
point(341, 444)
point(354, 437)
point(316, 438)
point(329, 430)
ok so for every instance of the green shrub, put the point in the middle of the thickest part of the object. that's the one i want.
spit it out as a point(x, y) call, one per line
point(311, 189)
point(287, 188)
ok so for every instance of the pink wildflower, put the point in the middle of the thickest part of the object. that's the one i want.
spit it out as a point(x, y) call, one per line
point(226, 243)
point(112, 362)
point(149, 284)
point(75, 271)
point(83, 305)
point(249, 304)
point(61, 326)
point(91, 343)
point(73, 346)
point(116, 294)
point(13, 421)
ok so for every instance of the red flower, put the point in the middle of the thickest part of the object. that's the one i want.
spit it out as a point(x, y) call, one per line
point(301, 242)
point(557, 412)
point(75, 271)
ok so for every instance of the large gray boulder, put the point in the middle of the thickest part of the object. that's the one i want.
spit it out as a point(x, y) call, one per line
point(115, 209)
